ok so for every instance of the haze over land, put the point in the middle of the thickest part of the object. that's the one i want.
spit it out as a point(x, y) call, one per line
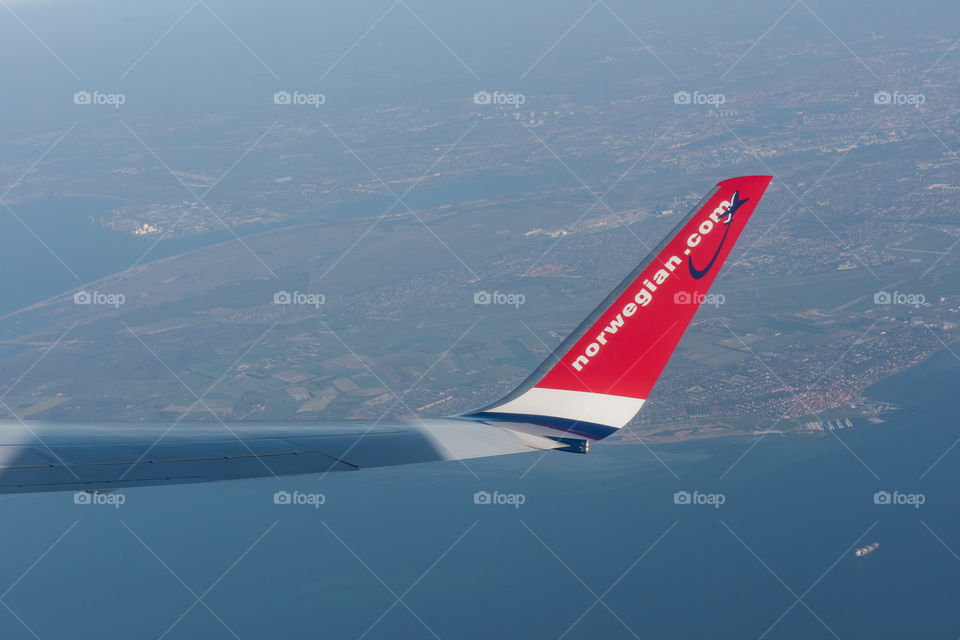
point(199, 193)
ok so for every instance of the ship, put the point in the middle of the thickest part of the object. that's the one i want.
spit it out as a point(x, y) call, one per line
point(863, 551)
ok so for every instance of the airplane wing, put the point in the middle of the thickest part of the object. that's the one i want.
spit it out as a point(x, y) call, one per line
point(38, 456)
point(592, 385)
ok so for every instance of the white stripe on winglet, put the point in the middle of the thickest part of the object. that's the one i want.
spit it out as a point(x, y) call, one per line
point(613, 411)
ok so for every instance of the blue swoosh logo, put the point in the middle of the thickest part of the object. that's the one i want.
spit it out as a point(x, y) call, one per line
point(735, 203)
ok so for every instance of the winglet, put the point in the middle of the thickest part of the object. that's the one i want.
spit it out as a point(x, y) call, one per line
point(600, 376)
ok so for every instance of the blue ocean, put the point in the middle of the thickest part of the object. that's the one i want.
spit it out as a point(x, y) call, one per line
point(568, 546)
